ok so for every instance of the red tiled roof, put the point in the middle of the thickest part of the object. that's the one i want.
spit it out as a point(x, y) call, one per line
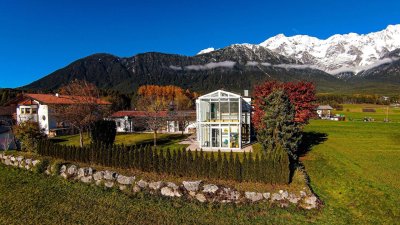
point(65, 99)
point(138, 114)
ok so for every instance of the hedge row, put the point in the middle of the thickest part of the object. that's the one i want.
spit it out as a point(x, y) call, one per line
point(269, 168)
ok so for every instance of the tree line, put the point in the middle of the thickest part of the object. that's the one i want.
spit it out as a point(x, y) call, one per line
point(334, 99)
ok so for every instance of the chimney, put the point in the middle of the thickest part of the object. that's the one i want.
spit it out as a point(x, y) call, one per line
point(246, 93)
point(57, 95)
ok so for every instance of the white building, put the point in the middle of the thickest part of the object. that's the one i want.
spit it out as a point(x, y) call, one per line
point(223, 121)
point(324, 111)
point(35, 107)
point(133, 121)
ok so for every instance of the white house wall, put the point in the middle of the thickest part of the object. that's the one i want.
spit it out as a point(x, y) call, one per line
point(43, 113)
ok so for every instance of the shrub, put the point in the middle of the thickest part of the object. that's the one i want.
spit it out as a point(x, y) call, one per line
point(103, 131)
point(29, 134)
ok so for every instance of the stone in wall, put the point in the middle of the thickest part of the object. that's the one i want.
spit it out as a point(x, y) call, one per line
point(125, 180)
point(192, 185)
point(253, 196)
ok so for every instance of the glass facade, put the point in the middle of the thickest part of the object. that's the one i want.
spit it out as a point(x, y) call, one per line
point(223, 120)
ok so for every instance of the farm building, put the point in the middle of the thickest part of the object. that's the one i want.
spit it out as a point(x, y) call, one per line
point(223, 120)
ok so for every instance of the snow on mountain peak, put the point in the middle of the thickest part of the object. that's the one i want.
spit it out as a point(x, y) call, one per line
point(207, 50)
point(338, 52)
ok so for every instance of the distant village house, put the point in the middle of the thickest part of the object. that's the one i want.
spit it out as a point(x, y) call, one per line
point(37, 108)
point(134, 121)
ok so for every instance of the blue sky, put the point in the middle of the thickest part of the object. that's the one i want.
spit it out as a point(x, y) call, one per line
point(39, 37)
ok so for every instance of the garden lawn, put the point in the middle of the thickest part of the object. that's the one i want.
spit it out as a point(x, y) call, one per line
point(163, 140)
point(28, 198)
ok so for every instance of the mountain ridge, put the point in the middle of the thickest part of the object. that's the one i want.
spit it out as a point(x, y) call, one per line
point(235, 67)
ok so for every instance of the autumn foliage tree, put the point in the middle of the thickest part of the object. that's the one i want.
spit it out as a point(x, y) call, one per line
point(301, 95)
point(165, 94)
point(156, 101)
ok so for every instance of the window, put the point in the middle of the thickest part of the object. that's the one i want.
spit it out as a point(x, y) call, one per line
point(118, 124)
point(224, 110)
point(234, 110)
point(22, 110)
point(34, 111)
point(28, 111)
point(214, 110)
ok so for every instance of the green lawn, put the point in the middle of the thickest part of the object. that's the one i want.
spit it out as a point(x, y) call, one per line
point(356, 170)
point(163, 140)
point(354, 112)
point(28, 198)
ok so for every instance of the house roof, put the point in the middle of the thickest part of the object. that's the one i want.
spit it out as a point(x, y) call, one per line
point(137, 114)
point(220, 94)
point(324, 107)
point(64, 99)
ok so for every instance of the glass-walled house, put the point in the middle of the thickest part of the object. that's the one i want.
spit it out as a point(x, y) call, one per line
point(223, 120)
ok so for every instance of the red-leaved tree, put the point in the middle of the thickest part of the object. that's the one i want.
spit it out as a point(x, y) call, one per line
point(301, 95)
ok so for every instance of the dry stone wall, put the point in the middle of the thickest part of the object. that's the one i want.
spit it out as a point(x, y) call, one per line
point(191, 190)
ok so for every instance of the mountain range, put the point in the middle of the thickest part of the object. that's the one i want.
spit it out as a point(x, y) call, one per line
point(349, 63)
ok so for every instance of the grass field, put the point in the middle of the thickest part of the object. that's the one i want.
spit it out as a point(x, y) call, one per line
point(355, 171)
point(163, 140)
point(354, 112)
point(353, 167)
point(28, 198)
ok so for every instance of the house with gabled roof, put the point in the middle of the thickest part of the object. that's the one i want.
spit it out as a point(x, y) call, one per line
point(324, 111)
point(223, 121)
point(37, 108)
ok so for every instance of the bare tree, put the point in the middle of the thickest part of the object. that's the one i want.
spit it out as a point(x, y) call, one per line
point(80, 106)
point(184, 118)
point(155, 116)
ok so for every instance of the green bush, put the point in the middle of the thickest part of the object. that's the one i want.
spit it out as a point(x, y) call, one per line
point(29, 134)
point(103, 131)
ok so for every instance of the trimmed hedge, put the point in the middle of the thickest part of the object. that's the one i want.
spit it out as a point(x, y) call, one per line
point(103, 131)
point(271, 168)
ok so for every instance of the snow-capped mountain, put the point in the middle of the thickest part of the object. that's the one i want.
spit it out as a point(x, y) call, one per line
point(339, 53)
point(207, 50)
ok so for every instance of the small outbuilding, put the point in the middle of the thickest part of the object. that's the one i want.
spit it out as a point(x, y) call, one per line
point(324, 111)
